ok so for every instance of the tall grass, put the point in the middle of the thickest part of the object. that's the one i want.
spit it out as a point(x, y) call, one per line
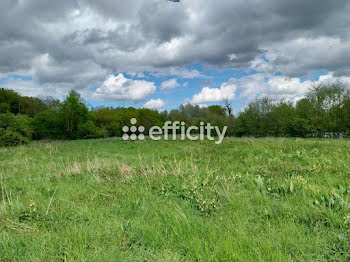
point(111, 200)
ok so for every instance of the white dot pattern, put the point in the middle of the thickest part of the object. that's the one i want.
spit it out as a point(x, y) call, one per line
point(133, 129)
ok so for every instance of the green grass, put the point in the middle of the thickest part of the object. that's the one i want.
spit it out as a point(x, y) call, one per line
point(111, 200)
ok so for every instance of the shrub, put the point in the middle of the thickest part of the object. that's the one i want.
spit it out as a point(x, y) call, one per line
point(89, 130)
point(4, 108)
point(48, 125)
point(14, 130)
point(12, 138)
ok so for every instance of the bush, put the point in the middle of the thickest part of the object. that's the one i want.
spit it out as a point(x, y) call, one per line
point(18, 123)
point(12, 138)
point(89, 130)
point(4, 108)
point(48, 125)
point(14, 130)
point(114, 129)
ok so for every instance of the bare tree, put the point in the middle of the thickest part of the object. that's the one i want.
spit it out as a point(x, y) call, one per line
point(228, 107)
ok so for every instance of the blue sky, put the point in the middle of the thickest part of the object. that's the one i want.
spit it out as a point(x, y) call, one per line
point(187, 86)
point(186, 89)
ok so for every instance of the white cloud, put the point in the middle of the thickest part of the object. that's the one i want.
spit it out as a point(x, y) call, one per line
point(258, 85)
point(122, 88)
point(170, 84)
point(154, 104)
point(276, 87)
point(226, 91)
point(292, 88)
point(280, 87)
point(250, 86)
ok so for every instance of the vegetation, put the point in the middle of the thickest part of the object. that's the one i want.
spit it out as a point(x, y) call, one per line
point(324, 112)
point(274, 199)
point(247, 199)
point(14, 129)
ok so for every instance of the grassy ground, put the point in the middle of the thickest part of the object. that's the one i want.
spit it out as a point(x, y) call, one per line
point(111, 200)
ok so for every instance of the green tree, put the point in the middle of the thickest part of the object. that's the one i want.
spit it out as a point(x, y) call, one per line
point(109, 119)
point(345, 114)
point(48, 125)
point(148, 118)
point(4, 108)
point(303, 123)
point(279, 119)
point(88, 130)
point(31, 106)
point(11, 98)
point(73, 112)
point(14, 129)
point(217, 110)
point(327, 99)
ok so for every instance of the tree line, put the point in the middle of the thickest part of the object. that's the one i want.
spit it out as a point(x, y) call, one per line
point(323, 112)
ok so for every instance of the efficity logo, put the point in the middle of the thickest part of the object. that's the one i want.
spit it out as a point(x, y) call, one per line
point(178, 130)
point(133, 129)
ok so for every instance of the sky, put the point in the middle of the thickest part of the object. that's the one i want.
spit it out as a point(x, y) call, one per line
point(160, 54)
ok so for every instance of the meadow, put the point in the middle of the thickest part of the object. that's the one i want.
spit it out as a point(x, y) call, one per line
point(271, 199)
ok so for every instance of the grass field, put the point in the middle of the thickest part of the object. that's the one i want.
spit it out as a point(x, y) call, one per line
point(111, 200)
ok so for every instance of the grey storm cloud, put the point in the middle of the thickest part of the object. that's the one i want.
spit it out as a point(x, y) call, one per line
point(79, 43)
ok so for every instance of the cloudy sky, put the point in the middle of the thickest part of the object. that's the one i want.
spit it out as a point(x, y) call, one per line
point(161, 53)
